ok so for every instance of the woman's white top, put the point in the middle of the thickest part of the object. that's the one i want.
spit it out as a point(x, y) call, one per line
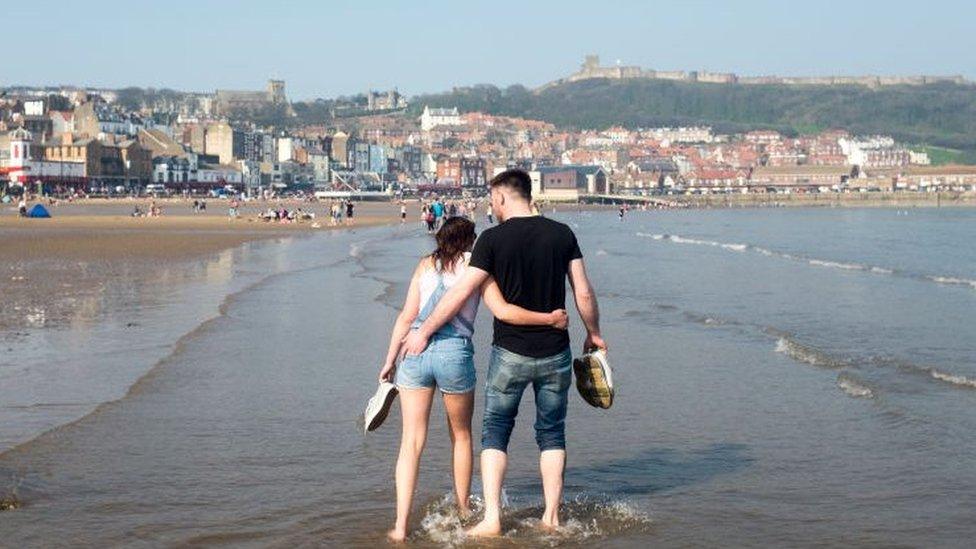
point(431, 278)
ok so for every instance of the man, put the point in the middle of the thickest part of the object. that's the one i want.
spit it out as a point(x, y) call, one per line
point(438, 210)
point(530, 257)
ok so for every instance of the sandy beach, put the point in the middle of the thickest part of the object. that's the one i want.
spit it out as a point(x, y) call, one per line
point(50, 265)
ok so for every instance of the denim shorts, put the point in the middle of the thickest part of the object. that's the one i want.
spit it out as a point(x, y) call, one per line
point(508, 375)
point(447, 363)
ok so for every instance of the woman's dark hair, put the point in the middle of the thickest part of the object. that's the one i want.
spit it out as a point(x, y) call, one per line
point(454, 238)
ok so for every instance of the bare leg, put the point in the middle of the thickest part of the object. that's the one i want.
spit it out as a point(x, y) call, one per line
point(493, 465)
point(552, 464)
point(459, 408)
point(415, 409)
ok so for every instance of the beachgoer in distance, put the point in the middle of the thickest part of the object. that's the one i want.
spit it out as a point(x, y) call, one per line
point(530, 257)
point(438, 210)
point(447, 362)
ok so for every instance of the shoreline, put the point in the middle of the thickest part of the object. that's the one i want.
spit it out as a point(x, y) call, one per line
point(826, 200)
point(52, 267)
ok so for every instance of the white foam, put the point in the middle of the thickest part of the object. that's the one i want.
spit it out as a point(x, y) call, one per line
point(854, 388)
point(582, 520)
point(441, 523)
point(738, 247)
point(35, 317)
point(807, 355)
point(953, 379)
point(953, 280)
point(837, 265)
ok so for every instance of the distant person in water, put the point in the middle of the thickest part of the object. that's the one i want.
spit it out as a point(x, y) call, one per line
point(530, 258)
point(447, 363)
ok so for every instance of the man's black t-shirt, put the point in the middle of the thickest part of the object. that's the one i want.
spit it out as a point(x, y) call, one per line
point(529, 258)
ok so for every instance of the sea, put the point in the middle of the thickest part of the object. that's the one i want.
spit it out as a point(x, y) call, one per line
point(784, 377)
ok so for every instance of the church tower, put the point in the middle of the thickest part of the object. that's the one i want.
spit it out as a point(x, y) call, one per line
point(276, 91)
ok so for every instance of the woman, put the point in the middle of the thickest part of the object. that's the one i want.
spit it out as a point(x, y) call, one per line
point(447, 363)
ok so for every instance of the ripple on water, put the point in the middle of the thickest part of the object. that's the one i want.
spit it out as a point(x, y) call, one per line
point(585, 518)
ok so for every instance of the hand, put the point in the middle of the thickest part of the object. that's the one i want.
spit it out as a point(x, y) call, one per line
point(414, 343)
point(559, 319)
point(386, 373)
point(594, 341)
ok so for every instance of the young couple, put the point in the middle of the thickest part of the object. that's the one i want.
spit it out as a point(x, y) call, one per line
point(520, 269)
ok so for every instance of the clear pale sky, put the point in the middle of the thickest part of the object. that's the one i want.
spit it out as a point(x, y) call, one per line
point(323, 49)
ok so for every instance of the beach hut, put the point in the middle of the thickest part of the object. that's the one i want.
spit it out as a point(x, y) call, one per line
point(38, 211)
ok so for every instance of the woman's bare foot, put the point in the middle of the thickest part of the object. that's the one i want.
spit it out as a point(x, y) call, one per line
point(549, 522)
point(485, 529)
point(464, 512)
point(396, 535)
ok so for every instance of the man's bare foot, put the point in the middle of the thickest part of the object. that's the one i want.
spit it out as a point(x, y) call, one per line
point(485, 529)
point(396, 535)
point(549, 523)
point(464, 512)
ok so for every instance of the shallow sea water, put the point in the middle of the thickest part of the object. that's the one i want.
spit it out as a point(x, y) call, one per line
point(785, 377)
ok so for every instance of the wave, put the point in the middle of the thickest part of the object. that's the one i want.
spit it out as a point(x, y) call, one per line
point(735, 247)
point(808, 355)
point(953, 379)
point(953, 281)
point(838, 265)
point(854, 387)
point(585, 518)
point(927, 372)
point(706, 320)
point(816, 262)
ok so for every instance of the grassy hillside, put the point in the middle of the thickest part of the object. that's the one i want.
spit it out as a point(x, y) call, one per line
point(942, 115)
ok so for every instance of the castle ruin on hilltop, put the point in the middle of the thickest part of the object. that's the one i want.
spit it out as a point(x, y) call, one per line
point(227, 101)
point(591, 69)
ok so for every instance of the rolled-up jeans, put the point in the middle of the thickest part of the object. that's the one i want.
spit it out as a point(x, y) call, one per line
point(508, 375)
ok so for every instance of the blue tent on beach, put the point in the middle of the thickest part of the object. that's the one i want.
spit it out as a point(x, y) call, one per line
point(38, 211)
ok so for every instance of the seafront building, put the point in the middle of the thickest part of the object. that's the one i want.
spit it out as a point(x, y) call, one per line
point(103, 141)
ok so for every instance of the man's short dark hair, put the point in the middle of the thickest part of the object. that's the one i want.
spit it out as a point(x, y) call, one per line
point(515, 179)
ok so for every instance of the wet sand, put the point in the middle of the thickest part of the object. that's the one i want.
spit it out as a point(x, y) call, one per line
point(50, 265)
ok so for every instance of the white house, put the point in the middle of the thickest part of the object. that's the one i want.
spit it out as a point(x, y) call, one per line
point(222, 174)
point(25, 165)
point(432, 118)
point(286, 148)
